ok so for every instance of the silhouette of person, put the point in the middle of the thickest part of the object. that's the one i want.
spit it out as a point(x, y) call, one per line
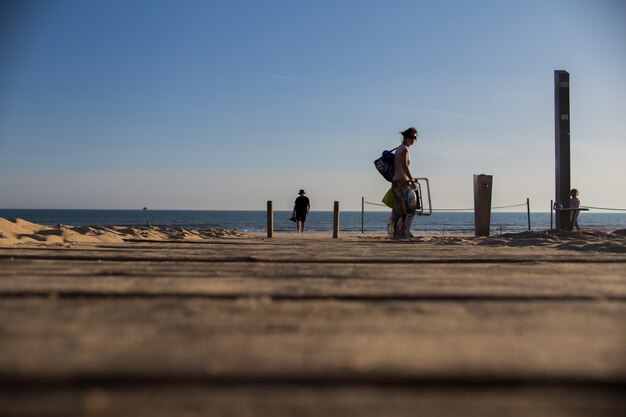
point(301, 208)
point(574, 203)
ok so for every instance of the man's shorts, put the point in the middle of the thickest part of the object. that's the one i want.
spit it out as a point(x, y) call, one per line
point(301, 216)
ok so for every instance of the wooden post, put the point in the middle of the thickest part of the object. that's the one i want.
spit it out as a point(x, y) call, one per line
point(528, 210)
point(336, 220)
point(362, 214)
point(270, 220)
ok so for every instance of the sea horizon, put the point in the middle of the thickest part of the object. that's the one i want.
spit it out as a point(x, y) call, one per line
point(256, 220)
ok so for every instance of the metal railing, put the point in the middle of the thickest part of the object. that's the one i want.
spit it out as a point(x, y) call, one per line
point(556, 206)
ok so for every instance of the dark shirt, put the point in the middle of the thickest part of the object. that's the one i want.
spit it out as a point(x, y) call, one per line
point(302, 204)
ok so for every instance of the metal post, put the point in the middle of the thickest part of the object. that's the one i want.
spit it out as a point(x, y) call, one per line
point(362, 214)
point(562, 147)
point(528, 210)
point(270, 220)
point(336, 220)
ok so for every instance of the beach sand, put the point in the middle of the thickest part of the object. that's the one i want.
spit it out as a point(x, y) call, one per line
point(19, 231)
point(131, 321)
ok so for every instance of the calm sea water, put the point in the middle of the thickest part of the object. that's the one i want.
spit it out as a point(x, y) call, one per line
point(255, 221)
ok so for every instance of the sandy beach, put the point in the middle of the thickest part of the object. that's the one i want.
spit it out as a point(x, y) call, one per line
point(19, 232)
point(113, 321)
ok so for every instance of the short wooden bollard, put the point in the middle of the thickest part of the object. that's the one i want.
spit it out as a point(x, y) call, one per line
point(336, 220)
point(362, 214)
point(528, 211)
point(270, 220)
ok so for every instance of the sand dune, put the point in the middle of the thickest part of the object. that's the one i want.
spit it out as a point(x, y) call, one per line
point(591, 241)
point(19, 231)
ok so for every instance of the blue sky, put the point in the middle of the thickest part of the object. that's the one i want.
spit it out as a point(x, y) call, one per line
point(225, 105)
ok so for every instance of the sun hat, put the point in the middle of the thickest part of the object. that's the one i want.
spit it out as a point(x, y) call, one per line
point(301, 192)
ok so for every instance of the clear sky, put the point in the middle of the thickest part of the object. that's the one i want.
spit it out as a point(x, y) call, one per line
point(228, 104)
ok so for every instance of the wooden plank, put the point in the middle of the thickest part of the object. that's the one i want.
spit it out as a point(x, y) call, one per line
point(172, 338)
point(312, 327)
point(333, 250)
point(491, 281)
point(337, 401)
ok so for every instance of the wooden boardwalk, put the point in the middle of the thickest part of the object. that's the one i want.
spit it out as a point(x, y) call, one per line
point(297, 327)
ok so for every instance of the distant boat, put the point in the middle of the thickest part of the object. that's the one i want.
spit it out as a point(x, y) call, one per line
point(145, 208)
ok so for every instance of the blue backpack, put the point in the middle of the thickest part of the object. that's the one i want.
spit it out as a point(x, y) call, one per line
point(385, 164)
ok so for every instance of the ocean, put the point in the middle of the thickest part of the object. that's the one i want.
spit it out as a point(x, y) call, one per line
point(320, 221)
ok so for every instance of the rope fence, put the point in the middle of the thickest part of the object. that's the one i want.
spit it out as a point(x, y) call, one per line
point(603, 208)
point(472, 209)
point(556, 206)
point(456, 209)
point(375, 204)
point(503, 207)
point(526, 204)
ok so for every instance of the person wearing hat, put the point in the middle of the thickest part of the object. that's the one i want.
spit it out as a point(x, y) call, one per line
point(300, 209)
point(402, 215)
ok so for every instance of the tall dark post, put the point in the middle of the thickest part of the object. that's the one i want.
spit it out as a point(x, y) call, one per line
point(562, 147)
point(482, 204)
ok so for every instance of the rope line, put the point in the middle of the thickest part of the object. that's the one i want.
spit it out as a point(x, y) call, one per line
point(603, 208)
point(458, 209)
point(502, 207)
point(514, 205)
